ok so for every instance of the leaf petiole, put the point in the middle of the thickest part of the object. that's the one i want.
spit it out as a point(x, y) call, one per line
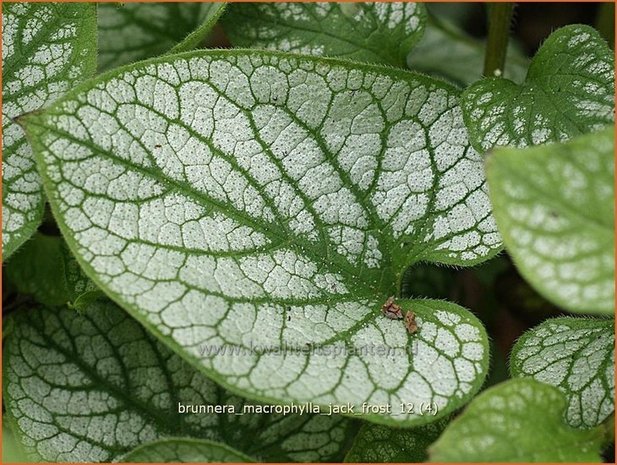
point(499, 18)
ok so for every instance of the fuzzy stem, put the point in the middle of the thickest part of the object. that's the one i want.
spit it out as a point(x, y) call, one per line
point(499, 17)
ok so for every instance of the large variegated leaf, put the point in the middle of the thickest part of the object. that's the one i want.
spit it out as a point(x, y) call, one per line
point(184, 450)
point(569, 90)
point(576, 355)
point(46, 49)
point(130, 32)
point(554, 205)
point(372, 32)
point(91, 387)
point(520, 420)
point(251, 201)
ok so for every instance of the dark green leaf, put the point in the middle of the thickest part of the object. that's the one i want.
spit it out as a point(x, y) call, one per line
point(45, 268)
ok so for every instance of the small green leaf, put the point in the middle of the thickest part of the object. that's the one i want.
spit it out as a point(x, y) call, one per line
point(576, 355)
point(184, 450)
point(258, 201)
point(131, 32)
point(569, 90)
point(381, 444)
point(447, 51)
point(520, 420)
point(371, 32)
point(554, 207)
point(91, 387)
point(46, 49)
point(45, 268)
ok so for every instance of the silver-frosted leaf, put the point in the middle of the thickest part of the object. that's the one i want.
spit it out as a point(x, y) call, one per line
point(569, 90)
point(254, 199)
point(371, 32)
point(131, 32)
point(383, 444)
point(91, 387)
point(576, 355)
point(554, 205)
point(46, 49)
point(447, 51)
point(520, 420)
point(184, 450)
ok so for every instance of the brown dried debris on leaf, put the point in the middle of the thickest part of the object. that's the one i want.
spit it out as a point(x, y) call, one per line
point(392, 310)
point(410, 322)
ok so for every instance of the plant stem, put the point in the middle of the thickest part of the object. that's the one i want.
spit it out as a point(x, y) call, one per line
point(499, 17)
point(605, 22)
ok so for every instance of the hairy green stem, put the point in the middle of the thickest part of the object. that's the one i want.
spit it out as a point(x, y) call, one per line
point(605, 22)
point(499, 17)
